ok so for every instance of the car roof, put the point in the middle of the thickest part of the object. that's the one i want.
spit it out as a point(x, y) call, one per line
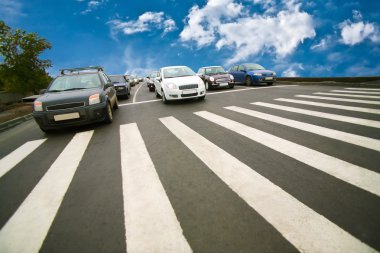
point(173, 67)
point(212, 67)
point(82, 70)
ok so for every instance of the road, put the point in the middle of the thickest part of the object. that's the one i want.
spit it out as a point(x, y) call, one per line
point(260, 169)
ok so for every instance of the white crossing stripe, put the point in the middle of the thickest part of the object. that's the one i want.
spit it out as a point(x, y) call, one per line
point(358, 92)
point(369, 89)
point(150, 222)
point(323, 131)
point(352, 120)
point(11, 160)
point(307, 230)
point(353, 174)
point(345, 95)
point(341, 99)
point(26, 230)
point(341, 107)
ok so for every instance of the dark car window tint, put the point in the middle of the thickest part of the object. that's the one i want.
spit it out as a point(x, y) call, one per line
point(85, 81)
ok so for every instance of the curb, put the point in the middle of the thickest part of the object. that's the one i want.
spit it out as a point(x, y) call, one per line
point(14, 122)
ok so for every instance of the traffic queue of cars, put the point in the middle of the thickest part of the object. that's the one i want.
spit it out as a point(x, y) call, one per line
point(82, 96)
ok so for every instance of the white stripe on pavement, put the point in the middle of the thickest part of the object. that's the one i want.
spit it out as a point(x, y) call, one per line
point(26, 230)
point(341, 107)
point(353, 174)
point(11, 160)
point(358, 92)
point(150, 222)
point(345, 95)
point(323, 131)
point(307, 230)
point(341, 99)
point(368, 89)
point(352, 120)
point(134, 96)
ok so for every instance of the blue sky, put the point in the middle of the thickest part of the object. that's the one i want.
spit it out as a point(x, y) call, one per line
point(293, 38)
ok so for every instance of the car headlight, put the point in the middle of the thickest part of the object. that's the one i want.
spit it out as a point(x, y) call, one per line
point(231, 77)
point(94, 99)
point(257, 74)
point(274, 73)
point(212, 79)
point(171, 86)
point(38, 106)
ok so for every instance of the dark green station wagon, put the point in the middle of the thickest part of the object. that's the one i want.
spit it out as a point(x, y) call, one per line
point(78, 96)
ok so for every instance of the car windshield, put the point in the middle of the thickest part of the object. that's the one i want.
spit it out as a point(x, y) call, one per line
point(215, 71)
point(154, 74)
point(178, 72)
point(117, 79)
point(75, 82)
point(254, 67)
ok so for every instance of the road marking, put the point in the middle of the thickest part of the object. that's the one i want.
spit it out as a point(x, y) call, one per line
point(150, 222)
point(350, 173)
point(11, 160)
point(352, 120)
point(345, 95)
point(342, 107)
point(26, 230)
point(368, 89)
point(342, 99)
point(134, 96)
point(323, 131)
point(142, 102)
point(307, 230)
point(359, 92)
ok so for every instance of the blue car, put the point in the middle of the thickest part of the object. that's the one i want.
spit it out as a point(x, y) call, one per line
point(252, 73)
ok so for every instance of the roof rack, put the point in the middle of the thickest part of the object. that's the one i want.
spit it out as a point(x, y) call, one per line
point(98, 68)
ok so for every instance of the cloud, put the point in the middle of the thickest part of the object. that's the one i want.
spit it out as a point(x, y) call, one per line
point(136, 64)
point(92, 5)
point(353, 33)
point(10, 10)
point(290, 72)
point(145, 23)
point(228, 24)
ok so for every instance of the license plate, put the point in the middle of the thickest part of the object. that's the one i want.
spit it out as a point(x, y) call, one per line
point(67, 116)
point(269, 78)
point(189, 91)
point(223, 84)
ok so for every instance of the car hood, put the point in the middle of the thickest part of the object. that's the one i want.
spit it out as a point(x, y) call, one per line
point(183, 80)
point(68, 96)
point(263, 71)
point(221, 76)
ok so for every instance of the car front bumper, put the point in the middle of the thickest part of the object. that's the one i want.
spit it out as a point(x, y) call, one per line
point(63, 118)
point(176, 94)
point(264, 79)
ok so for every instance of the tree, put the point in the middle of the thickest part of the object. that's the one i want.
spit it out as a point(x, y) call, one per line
point(21, 70)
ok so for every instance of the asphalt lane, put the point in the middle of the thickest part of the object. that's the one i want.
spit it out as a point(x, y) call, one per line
point(213, 216)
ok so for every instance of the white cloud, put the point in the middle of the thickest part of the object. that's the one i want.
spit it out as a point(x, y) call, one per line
point(290, 72)
point(353, 33)
point(92, 5)
point(136, 64)
point(249, 34)
point(145, 22)
point(10, 10)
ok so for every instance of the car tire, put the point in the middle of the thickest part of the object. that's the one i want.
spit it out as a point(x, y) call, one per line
point(109, 114)
point(164, 100)
point(270, 83)
point(46, 131)
point(207, 85)
point(157, 95)
point(202, 98)
point(116, 105)
point(248, 81)
point(231, 86)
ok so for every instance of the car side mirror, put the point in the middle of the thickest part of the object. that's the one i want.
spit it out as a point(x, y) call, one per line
point(43, 91)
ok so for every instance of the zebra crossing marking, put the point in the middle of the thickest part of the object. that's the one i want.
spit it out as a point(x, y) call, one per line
point(358, 176)
point(368, 89)
point(26, 230)
point(341, 99)
point(357, 92)
point(323, 131)
point(352, 120)
point(150, 221)
point(345, 95)
point(11, 160)
point(307, 230)
point(341, 107)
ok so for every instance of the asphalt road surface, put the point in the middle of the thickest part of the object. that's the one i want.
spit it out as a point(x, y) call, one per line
point(258, 169)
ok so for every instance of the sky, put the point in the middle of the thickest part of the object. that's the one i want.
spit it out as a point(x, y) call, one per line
point(314, 38)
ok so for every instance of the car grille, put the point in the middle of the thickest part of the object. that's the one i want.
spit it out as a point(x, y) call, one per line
point(224, 80)
point(64, 106)
point(189, 95)
point(188, 86)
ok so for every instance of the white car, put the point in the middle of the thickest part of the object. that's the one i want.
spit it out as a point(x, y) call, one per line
point(179, 82)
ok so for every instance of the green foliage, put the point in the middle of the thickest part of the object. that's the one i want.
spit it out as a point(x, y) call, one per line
point(21, 70)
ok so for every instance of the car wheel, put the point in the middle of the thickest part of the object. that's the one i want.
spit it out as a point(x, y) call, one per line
point(231, 86)
point(109, 114)
point(116, 105)
point(248, 81)
point(271, 83)
point(207, 85)
point(157, 95)
point(202, 98)
point(164, 100)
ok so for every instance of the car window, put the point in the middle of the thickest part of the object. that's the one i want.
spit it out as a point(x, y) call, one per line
point(178, 72)
point(234, 68)
point(73, 82)
point(214, 71)
point(254, 67)
point(241, 67)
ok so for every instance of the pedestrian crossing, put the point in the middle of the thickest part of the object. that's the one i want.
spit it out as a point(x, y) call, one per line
point(151, 221)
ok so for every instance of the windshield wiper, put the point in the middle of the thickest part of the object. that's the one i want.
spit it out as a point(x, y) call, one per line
point(75, 89)
point(54, 90)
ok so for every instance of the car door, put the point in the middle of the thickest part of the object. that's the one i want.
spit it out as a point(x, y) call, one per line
point(240, 74)
point(109, 88)
point(234, 71)
point(157, 82)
